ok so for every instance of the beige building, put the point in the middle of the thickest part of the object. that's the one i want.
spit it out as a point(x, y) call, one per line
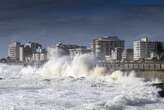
point(103, 46)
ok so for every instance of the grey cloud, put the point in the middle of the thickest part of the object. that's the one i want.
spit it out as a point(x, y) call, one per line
point(77, 20)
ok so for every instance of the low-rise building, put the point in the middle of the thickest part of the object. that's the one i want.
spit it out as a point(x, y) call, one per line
point(65, 49)
point(26, 52)
point(79, 51)
point(40, 56)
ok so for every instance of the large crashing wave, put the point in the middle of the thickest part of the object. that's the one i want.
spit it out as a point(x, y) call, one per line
point(62, 66)
point(57, 66)
point(78, 66)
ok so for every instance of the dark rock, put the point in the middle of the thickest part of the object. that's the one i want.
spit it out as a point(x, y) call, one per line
point(161, 87)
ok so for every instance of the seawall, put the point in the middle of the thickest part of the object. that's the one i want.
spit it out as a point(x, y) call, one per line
point(148, 71)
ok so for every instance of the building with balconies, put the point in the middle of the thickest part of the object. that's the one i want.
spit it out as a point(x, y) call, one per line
point(103, 46)
point(13, 51)
point(146, 49)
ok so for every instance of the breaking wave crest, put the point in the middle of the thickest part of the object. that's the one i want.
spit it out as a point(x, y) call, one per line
point(57, 66)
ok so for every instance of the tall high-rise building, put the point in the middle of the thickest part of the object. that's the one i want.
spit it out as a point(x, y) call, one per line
point(144, 49)
point(13, 51)
point(103, 46)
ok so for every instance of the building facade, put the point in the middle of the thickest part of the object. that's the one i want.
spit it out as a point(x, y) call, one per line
point(117, 54)
point(146, 49)
point(13, 51)
point(33, 46)
point(40, 55)
point(127, 55)
point(26, 52)
point(21, 53)
point(65, 49)
point(103, 46)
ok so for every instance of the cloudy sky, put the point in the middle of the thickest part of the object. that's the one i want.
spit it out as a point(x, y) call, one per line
point(79, 21)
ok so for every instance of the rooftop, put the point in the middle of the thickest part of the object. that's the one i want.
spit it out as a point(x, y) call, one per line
point(108, 38)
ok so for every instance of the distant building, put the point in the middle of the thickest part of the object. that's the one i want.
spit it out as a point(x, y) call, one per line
point(39, 56)
point(27, 52)
point(33, 45)
point(117, 54)
point(146, 49)
point(127, 55)
point(79, 51)
point(13, 51)
point(43, 56)
point(103, 46)
point(18, 52)
point(21, 53)
point(66, 48)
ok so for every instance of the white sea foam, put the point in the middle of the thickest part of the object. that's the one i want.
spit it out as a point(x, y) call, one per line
point(79, 66)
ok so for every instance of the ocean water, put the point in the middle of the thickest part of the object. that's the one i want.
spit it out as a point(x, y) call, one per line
point(74, 84)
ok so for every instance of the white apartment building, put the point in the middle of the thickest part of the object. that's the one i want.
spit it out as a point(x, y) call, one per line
point(13, 50)
point(144, 48)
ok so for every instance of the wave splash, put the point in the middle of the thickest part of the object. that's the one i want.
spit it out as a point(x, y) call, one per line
point(57, 66)
point(62, 66)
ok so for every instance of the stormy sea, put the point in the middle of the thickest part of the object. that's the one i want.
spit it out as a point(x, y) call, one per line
point(65, 83)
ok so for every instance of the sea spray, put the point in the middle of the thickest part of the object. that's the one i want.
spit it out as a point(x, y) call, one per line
point(128, 89)
point(63, 66)
point(57, 66)
point(128, 93)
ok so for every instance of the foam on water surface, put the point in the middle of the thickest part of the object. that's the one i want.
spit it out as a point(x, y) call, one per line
point(74, 84)
point(73, 94)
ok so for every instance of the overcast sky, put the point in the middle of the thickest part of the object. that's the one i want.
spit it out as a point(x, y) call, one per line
point(79, 21)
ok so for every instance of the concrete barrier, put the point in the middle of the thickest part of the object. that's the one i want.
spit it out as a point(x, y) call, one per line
point(136, 66)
